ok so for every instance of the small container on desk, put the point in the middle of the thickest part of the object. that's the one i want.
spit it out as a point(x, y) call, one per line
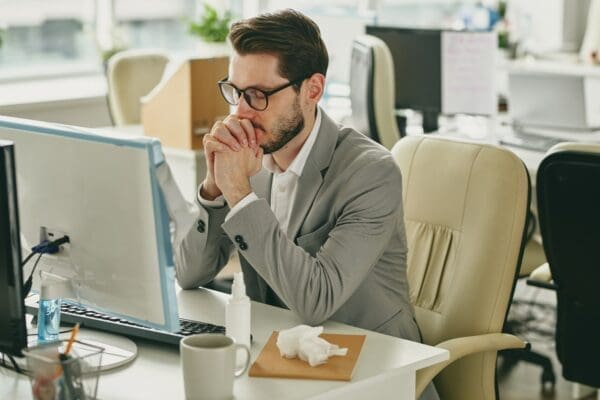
point(57, 376)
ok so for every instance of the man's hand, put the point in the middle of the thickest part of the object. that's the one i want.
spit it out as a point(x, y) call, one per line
point(231, 134)
point(232, 171)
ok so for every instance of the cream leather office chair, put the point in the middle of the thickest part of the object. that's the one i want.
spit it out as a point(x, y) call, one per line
point(132, 74)
point(465, 210)
point(372, 90)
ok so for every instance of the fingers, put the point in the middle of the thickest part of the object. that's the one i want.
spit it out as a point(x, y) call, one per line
point(249, 130)
point(222, 133)
point(235, 133)
point(257, 161)
point(212, 145)
point(235, 128)
point(259, 153)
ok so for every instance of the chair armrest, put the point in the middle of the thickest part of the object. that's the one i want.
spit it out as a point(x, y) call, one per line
point(541, 277)
point(464, 346)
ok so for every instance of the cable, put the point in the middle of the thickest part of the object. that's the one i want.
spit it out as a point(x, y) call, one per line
point(60, 332)
point(45, 247)
point(29, 282)
point(15, 367)
point(27, 259)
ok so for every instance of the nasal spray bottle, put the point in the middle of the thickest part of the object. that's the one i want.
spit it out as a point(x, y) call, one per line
point(237, 312)
point(52, 288)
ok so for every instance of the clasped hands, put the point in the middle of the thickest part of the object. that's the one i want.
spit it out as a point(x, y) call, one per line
point(232, 157)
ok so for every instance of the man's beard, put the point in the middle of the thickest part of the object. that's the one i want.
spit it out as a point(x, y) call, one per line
point(285, 129)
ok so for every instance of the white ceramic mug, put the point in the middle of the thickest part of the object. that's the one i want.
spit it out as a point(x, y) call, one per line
point(208, 362)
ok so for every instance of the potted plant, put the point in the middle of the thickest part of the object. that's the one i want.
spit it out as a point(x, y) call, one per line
point(212, 28)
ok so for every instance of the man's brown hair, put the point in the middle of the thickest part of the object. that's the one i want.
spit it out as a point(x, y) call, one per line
point(289, 35)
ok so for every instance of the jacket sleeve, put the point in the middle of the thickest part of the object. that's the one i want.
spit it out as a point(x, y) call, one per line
point(204, 250)
point(316, 286)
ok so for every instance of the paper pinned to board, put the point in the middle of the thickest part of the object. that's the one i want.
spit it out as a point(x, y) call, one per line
point(468, 69)
point(270, 364)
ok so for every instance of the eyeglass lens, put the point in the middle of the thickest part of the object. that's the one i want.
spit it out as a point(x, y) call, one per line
point(254, 97)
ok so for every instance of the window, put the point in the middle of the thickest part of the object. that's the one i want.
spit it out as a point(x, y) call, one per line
point(155, 23)
point(43, 37)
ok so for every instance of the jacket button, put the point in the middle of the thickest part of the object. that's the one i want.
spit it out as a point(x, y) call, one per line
point(243, 246)
point(201, 226)
point(239, 239)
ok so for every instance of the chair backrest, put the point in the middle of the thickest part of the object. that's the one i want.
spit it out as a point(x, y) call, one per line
point(132, 74)
point(372, 90)
point(568, 189)
point(465, 210)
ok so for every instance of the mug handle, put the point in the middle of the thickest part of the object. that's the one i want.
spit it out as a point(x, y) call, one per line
point(239, 373)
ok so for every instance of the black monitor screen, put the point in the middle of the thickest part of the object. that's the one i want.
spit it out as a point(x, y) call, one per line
point(417, 60)
point(13, 335)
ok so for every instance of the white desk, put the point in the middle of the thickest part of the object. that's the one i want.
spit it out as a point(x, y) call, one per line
point(385, 369)
point(484, 130)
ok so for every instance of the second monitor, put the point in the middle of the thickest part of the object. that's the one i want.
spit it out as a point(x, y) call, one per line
point(441, 72)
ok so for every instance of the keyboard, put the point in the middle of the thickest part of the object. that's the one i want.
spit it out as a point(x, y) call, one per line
point(73, 313)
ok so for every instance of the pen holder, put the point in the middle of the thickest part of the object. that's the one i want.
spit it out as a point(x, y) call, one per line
point(56, 376)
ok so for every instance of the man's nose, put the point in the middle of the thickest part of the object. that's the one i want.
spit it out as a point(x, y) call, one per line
point(243, 109)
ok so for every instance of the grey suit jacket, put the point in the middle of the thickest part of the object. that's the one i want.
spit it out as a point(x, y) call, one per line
point(344, 254)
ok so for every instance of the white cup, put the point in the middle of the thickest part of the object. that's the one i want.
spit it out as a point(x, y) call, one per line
point(208, 363)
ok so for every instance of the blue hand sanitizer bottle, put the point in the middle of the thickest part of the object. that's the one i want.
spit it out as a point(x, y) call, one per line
point(49, 310)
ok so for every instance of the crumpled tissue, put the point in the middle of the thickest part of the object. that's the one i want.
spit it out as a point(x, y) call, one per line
point(303, 341)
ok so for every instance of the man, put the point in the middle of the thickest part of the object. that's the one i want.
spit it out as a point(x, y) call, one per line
point(319, 229)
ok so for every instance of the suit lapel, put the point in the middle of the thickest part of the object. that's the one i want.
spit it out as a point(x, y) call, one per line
point(311, 179)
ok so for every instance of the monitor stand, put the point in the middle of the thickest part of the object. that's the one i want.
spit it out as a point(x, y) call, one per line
point(430, 121)
point(118, 350)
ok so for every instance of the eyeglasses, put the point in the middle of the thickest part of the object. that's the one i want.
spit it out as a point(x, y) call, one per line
point(256, 98)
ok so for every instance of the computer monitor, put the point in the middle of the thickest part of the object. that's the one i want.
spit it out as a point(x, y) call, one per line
point(441, 72)
point(13, 335)
point(417, 69)
point(103, 193)
point(417, 66)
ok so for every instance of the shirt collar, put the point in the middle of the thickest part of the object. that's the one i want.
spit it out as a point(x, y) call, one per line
point(297, 165)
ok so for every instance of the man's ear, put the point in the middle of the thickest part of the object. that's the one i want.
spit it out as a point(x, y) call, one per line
point(315, 87)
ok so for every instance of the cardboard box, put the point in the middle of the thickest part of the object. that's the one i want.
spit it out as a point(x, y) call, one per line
point(186, 103)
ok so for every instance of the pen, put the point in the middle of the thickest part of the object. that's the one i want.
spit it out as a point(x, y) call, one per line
point(59, 369)
point(72, 338)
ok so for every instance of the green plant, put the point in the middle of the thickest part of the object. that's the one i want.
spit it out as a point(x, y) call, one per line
point(211, 27)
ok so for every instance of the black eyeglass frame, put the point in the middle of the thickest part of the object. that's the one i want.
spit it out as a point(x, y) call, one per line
point(266, 93)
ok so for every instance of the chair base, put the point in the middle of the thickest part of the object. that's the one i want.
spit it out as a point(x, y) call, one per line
point(512, 357)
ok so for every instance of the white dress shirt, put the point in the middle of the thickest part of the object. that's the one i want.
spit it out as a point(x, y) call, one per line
point(284, 185)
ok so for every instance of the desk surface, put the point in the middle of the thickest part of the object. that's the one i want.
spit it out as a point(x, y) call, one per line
point(156, 373)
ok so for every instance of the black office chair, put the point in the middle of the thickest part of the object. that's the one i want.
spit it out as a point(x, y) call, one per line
point(568, 192)
point(372, 91)
point(521, 323)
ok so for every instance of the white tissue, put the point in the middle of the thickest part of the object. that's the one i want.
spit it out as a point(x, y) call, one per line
point(304, 342)
point(288, 341)
point(316, 350)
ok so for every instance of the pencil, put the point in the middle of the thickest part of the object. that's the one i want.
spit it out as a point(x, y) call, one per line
point(72, 338)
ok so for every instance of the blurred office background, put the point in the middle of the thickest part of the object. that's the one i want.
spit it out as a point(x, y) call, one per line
point(69, 39)
point(53, 55)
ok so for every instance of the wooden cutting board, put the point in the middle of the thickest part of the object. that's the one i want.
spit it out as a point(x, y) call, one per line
point(270, 364)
